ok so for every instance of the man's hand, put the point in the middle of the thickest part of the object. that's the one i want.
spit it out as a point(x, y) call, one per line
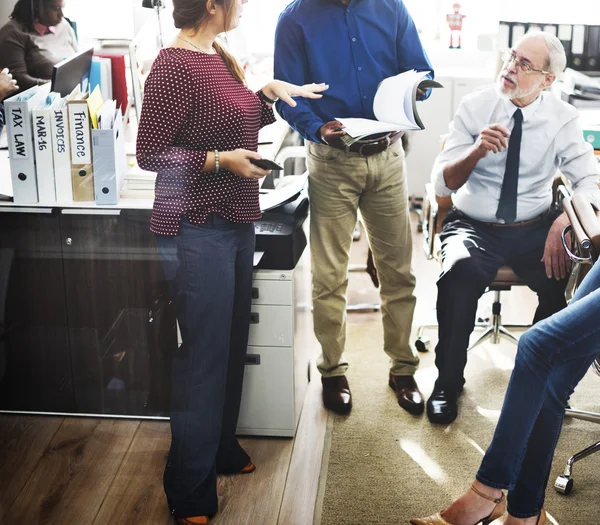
point(421, 93)
point(492, 138)
point(331, 133)
point(8, 84)
point(556, 260)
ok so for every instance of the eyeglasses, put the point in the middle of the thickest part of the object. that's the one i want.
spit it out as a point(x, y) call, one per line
point(524, 67)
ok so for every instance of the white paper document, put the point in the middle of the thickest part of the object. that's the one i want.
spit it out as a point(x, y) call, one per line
point(394, 106)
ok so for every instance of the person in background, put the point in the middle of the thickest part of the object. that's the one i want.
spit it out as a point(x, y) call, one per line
point(8, 86)
point(499, 162)
point(36, 37)
point(355, 44)
point(198, 131)
point(552, 357)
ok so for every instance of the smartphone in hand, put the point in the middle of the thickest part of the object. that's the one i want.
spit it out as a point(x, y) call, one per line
point(265, 164)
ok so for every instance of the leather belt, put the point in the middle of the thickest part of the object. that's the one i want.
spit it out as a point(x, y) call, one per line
point(529, 222)
point(366, 148)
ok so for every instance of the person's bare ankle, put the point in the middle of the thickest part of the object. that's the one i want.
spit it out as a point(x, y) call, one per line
point(471, 507)
point(488, 491)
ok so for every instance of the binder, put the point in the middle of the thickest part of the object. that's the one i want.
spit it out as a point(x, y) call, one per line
point(504, 36)
point(59, 122)
point(578, 47)
point(17, 111)
point(517, 31)
point(82, 172)
point(565, 35)
point(593, 48)
point(42, 139)
point(119, 81)
point(550, 28)
point(101, 75)
point(110, 161)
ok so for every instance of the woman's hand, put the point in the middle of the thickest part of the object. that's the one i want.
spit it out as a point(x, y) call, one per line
point(238, 162)
point(8, 84)
point(285, 91)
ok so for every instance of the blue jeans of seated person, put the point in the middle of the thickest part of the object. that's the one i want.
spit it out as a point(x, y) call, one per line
point(209, 270)
point(552, 358)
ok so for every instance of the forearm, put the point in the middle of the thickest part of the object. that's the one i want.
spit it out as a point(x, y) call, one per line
point(157, 158)
point(457, 172)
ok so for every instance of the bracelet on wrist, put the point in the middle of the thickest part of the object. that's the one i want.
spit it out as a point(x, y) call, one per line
point(266, 99)
point(217, 167)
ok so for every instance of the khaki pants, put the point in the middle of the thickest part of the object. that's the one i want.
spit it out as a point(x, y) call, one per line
point(340, 183)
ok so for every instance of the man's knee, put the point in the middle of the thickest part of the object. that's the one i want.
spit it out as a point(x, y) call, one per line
point(464, 273)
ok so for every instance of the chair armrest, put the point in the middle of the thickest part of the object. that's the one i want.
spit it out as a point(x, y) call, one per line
point(430, 211)
point(435, 211)
point(589, 221)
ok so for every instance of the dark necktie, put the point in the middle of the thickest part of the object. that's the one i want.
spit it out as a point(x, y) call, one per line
point(507, 207)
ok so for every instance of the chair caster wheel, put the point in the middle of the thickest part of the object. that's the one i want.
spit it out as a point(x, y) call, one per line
point(563, 485)
point(423, 344)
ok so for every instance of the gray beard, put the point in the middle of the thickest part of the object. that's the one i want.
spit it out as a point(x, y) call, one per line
point(516, 93)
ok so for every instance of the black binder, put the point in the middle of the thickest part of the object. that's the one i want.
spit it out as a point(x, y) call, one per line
point(593, 49)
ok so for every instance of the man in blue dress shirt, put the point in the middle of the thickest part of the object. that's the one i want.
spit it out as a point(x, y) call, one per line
point(353, 45)
point(499, 162)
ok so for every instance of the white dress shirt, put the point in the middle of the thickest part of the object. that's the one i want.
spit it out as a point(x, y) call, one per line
point(552, 140)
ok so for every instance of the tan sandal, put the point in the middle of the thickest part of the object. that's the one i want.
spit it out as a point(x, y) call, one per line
point(497, 511)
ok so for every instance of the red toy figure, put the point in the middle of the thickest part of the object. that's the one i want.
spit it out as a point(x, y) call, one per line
point(455, 23)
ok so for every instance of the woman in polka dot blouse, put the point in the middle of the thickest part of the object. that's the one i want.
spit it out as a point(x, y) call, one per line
point(198, 129)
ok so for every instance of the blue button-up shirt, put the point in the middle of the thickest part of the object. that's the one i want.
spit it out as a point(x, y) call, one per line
point(350, 47)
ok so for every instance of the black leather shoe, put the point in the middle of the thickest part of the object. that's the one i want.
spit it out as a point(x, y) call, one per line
point(336, 394)
point(442, 406)
point(408, 394)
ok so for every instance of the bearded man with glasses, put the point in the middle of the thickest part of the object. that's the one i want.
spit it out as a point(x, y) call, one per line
point(498, 163)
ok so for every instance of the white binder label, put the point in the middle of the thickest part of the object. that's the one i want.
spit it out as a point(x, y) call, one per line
point(42, 132)
point(59, 136)
point(80, 136)
point(19, 148)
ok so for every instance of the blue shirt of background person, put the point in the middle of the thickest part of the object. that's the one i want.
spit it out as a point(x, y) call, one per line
point(352, 48)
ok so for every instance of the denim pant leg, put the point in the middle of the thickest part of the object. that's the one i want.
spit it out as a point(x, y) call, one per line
point(471, 256)
point(552, 358)
point(200, 265)
point(231, 457)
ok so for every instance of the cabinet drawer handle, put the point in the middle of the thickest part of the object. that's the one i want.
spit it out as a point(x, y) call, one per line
point(24, 209)
point(90, 211)
point(254, 318)
point(253, 359)
point(254, 293)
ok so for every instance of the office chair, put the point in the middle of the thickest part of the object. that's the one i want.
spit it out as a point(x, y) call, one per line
point(585, 242)
point(435, 210)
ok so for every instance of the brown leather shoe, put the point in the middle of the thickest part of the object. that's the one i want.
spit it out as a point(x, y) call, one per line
point(336, 394)
point(194, 520)
point(408, 394)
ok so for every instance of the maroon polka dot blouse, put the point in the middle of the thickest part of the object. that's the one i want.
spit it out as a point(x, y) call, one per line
point(192, 105)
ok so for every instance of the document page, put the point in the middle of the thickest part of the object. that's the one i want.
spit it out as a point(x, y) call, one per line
point(394, 106)
point(393, 100)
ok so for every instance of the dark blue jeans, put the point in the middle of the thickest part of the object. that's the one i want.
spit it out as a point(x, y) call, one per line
point(472, 253)
point(209, 270)
point(552, 358)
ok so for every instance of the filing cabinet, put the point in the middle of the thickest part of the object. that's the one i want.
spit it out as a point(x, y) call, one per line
point(280, 346)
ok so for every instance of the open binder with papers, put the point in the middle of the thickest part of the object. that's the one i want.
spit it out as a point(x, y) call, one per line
point(395, 107)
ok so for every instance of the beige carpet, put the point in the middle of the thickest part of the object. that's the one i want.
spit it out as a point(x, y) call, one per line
point(383, 466)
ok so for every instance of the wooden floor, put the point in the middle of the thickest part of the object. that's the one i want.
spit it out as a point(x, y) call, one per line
point(100, 471)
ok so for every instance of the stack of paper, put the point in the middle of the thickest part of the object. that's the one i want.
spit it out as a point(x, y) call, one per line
point(394, 106)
